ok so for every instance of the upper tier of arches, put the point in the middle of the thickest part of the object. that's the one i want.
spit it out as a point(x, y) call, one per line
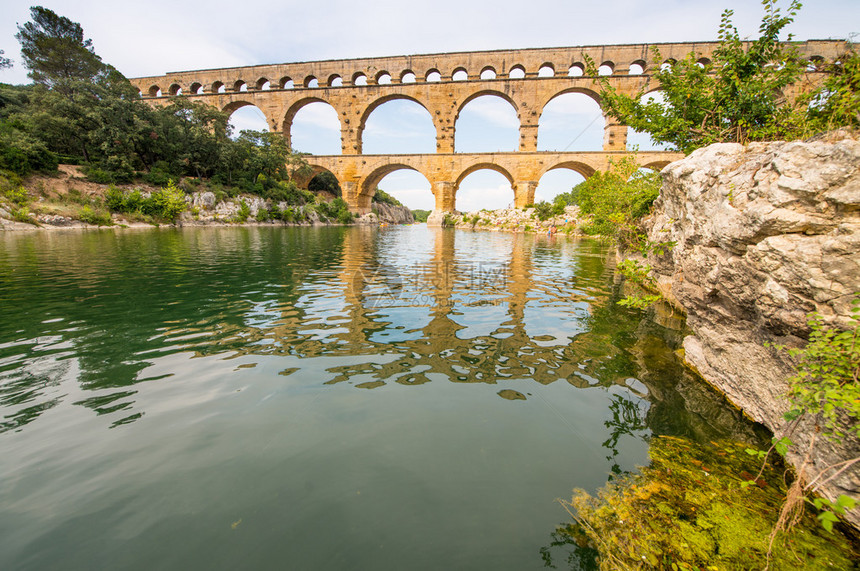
point(618, 60)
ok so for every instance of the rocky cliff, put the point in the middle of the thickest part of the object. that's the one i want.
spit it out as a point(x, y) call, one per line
point(764, 234)
point(388, 214)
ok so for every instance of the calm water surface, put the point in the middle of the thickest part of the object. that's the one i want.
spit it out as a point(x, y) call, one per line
point(330, 398)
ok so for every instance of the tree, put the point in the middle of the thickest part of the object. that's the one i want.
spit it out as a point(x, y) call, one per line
point(739, 96)
point(4, 61)
point(54, 49)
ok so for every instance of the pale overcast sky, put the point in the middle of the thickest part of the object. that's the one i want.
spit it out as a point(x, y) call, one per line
point(157, 36)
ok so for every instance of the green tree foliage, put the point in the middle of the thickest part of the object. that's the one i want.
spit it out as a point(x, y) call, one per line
point(4, 61)
point(736, 97)
point(616, 199)
point(83, 111)
point(55, 51)
point(837, 102)
point(420, 215)
point(325, 181)
point(382, 197)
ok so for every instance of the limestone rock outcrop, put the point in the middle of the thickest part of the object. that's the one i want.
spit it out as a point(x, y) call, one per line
point(764, 235)
point(388, 214)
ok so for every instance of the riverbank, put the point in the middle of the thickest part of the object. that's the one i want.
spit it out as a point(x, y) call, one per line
point(68, 200)
point(516, 220)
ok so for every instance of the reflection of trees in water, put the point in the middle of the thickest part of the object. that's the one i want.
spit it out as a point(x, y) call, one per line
point(130, 299)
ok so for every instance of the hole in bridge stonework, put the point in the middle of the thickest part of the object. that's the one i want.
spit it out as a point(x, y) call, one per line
point(175, 90)
point(407, 77)
point(636, 68)
point(517, 72)
point(359, 79)
point(605, 69)
point(219, 88)
point(311, 82)
point(383, 78)
point(571, 122)
point(325, 182)
point(155, 91)
point(546, 71)
point(286, 83)
point(484, 188)
point(263, 84)
point(643, 141)
point(196, 88)
point(460, 75)
point(335, 81)
point(316, 130)
point(400, 126)
point(488, 73)
point(557, 181)
point(247, 118)
point(410, 187)
point(433, 76)
point(487, 124)
point(576, 70)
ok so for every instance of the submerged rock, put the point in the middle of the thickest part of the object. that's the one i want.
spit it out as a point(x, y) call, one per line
point(763, 235)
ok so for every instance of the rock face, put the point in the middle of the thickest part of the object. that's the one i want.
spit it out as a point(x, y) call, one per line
point(765, 234)
point(387, 213)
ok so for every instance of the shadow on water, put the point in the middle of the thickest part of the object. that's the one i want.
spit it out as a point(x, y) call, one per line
point(104, 321)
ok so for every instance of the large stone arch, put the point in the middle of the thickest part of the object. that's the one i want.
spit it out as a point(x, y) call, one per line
point(581, 90)
point(484, 166)
point(482, 92)
point(376, 103)
point(584, 169)
point(367, 187)
point(297, 106)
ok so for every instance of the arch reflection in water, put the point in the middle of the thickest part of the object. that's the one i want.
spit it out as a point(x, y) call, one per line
point(459, 381)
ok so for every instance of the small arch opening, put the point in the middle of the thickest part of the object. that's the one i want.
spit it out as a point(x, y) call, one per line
point(383, 78)
point(488, 73)
point(263, 84)
point(576, 70)
point(460, 74)
point(546, 70)
point(311, 82)
point(359, 79)
point(335, 80)
point(703, 62)
point(286, 83)
point(219, 87)
point(517, 72)
point(407, 77)
point(155, 91)
point(666, 66)
point(636, 68)
point(175, 89)
point(815, 63)
point(240, 86)
point(606, 68)
point(196, 88)
point(433, 76)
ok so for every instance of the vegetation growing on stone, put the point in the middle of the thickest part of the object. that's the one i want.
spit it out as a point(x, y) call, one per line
point(688, 510)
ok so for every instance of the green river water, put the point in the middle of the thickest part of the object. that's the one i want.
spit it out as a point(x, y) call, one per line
point(320, 398)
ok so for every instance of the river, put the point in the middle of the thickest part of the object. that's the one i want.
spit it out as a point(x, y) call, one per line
point(321, 398)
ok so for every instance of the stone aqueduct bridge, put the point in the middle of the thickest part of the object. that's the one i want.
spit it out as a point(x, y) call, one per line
point(443, 84)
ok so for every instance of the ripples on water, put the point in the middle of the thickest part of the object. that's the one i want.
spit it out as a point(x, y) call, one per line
point(202, 398)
